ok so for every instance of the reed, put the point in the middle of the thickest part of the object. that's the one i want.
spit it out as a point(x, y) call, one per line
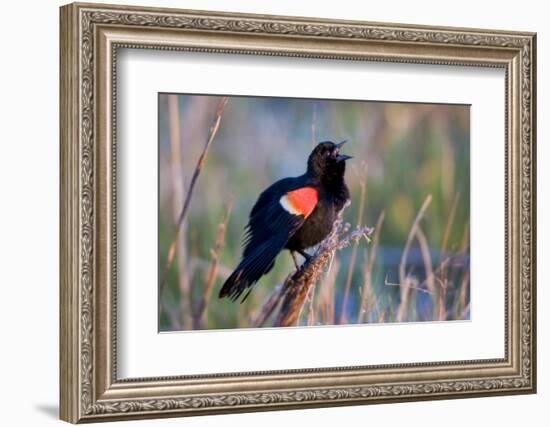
point(367, 291)
point(201, 311)
point(327, 293)
point(200, 163)
point(351, 267)
point(405, 286)
point(177, 203)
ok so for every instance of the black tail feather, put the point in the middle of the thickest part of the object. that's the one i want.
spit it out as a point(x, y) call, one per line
point(252, 267)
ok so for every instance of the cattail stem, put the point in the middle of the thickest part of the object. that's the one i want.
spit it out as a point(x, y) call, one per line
point(302, 282)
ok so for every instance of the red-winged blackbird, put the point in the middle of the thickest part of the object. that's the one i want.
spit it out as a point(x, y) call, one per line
point(293, 213)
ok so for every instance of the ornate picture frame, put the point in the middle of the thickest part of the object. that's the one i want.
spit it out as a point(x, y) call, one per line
point(91, 34)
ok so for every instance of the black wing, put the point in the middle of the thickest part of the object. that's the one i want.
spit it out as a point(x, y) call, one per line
point(269, 228)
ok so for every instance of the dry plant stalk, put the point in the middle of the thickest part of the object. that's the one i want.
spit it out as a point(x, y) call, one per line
point(403, 278)
point(311, 308)
point(268, 307)
point(314, 126)
point(464, 304)
point(412, 284)
point(299, 285)
point(367, 290)
point(171, 252)
point(327, 293)
point(464, 286)
point(200, 314)
point(177, 203)
point(428, 264)
point(363, 185)
point(442, 314)
point(442, 298)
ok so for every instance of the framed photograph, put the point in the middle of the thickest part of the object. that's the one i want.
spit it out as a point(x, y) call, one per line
point(267, 212)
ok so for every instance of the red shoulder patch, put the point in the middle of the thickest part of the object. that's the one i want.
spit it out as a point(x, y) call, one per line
point(303, 200)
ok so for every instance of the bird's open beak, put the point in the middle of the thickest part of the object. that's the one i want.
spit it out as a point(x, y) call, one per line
point(342, 157)
point(340, 144)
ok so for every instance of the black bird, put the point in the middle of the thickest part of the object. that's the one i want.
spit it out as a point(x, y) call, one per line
point(293, 213)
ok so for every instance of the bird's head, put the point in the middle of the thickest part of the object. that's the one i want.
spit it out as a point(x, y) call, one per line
point(326, 162)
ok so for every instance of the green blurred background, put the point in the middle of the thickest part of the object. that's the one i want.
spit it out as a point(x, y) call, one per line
point(403, 152)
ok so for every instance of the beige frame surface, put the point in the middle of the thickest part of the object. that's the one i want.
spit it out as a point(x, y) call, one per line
point(90, 37)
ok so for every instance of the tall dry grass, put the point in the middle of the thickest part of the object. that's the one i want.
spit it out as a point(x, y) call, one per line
point(178, 241)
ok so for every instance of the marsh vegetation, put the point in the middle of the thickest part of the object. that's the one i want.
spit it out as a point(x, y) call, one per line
point(399, 254)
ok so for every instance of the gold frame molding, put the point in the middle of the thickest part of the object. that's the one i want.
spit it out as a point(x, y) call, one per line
point(90, 37)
